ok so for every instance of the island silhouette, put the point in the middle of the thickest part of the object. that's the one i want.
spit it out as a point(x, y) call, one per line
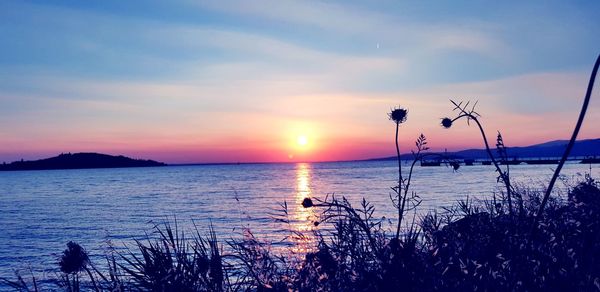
point(80, 161)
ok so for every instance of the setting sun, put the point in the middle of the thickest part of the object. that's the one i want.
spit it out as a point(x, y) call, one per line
point(302, 140)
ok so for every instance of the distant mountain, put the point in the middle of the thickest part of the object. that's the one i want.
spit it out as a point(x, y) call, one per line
point(555, 149)
point(78, 161)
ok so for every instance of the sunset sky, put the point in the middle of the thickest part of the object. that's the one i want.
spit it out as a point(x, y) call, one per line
point(242, 81)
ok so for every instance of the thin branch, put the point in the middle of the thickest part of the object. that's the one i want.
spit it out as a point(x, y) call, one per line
point(584, 107)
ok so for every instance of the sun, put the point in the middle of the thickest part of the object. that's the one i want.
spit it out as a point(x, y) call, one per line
point(302, 140)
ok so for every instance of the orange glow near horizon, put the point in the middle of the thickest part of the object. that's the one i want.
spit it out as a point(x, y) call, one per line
point(283, 148)
point(350, 135)
point(301, 142)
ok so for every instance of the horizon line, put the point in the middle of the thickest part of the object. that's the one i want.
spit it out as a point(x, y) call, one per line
point(309, 161)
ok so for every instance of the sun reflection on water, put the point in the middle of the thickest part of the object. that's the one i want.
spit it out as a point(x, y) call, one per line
point(303, 218)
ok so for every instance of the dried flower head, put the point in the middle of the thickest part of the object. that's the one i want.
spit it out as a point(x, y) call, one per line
point(74, 259)
point(307, 203)
point(446, 123)
point(398, 115)
point(455, 165)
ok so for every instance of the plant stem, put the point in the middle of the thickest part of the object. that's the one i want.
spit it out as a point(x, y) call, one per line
point(357, 218)
point(502, 174)
point(489, 152)
point(584, 107)
point(92, 279)
point(399, 192)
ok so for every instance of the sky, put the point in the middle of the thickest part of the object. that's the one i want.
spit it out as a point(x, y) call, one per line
point(247, 81)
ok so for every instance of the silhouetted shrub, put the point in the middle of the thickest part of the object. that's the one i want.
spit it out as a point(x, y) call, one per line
point(74, 259)
point(473, 246)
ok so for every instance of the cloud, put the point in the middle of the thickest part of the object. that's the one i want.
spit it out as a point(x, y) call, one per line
point(403, 34)
point(318, 15)
point(530, 94)
point(252, 70)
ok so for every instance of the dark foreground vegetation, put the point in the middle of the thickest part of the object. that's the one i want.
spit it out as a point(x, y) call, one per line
point(79, 161)
point(470, 247)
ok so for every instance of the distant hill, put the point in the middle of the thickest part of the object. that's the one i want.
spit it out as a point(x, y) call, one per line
point(551, 149)
point(78, 161)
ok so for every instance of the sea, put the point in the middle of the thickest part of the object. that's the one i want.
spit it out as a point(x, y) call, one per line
point(41, 211)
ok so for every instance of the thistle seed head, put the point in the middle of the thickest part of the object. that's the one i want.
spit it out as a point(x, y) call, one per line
point(307, 203)
point(455, 165)
point(398, 115)
point(446, 123)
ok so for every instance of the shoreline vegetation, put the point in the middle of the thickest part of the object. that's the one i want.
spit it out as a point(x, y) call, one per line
point(519, 239)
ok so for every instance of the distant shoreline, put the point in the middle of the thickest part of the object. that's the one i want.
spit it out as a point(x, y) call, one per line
point(589, 148)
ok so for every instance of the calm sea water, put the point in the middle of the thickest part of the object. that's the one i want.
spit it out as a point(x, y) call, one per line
point(40, 211)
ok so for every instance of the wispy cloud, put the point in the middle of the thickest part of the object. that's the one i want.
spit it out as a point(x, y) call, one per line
point(193, 76)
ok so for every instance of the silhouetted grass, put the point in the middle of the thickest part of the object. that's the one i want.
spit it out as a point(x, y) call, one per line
point(472, 246)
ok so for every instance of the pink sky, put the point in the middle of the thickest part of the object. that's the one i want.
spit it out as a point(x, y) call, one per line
point(338, 126)
point(199, 82)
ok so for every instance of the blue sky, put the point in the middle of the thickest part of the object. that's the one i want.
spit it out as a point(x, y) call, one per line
point(187, 81)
